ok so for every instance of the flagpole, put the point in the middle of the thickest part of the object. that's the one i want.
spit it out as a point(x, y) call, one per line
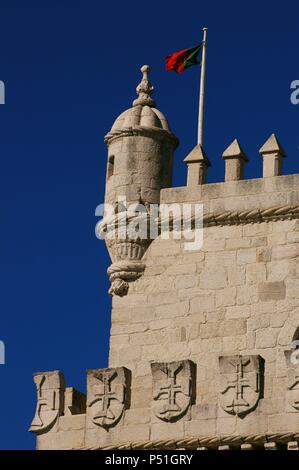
point(202, 89)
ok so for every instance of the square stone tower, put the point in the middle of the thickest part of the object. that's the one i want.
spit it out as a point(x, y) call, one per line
point(203, 342)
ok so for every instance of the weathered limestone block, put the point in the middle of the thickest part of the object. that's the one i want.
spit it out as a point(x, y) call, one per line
point(234, 343)
point(50, 400)
point(266, 338)
point(201, 426)
point(278, 271)
point(205, 303)
point(172, 310)
point(137, 432)
point(281, 252)
point(284, 421)
point(223, 328)
point(271, 291)
point(213, 279)
point(259, 322)
point(226, 297)
point(138, 416)
point(255, 273)
point(292, 286)
point(167, 430)
point(72, 422)
point(241, 382)
point(141, 397)
point(246, 256)
point(173, 389)
point(108, 395)
point(69, 439)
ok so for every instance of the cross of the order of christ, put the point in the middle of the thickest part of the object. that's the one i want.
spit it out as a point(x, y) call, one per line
point(239, 382)
point(169, 388)
point(103, 394)
point(46, 401)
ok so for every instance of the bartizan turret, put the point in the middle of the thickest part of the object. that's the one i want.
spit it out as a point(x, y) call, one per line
point(140, 153)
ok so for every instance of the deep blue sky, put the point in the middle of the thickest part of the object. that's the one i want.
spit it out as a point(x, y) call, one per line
point(70, 67)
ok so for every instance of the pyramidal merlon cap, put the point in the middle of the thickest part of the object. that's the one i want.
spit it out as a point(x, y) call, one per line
point(197, 155)
point(234, 150)
point(272, 145)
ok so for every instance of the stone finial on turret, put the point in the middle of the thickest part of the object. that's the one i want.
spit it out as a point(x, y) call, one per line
point(272, 153)
point(197, 163)
point(235, 159)
point(144, 89)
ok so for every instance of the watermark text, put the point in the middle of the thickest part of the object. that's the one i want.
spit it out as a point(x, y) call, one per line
point(295, 93)
point(2, 353)
point(2, 92)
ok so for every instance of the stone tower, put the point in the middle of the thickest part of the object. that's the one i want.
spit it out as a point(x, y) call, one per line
point(202, 343)
point(140, 149)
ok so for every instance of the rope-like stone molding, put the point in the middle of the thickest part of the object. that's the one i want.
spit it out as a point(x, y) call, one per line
point(250, 216)
point(211, 219)
point(239, 217)
point(154, 132)
point(210, 442)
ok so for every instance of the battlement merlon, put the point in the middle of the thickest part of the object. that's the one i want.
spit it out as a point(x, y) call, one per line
point(243, 201)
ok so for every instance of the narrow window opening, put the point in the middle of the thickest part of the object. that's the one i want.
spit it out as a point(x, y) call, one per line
point(110, 165)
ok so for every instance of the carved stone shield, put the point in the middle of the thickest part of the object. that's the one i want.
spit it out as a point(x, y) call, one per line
point(240, 383)
point(107, 395)
point(173, 384)
point(50, 400)
point(292, 393)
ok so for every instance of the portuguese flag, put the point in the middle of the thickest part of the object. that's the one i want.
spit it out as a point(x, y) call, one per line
point(182, 60)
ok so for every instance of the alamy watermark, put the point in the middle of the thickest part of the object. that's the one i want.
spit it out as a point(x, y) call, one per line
point(146, 222)
point(2, 353)
point(294, 357)
point(295, 93)
point(2, 92)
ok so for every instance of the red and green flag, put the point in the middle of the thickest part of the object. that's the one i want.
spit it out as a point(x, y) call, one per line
point(182, 60)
